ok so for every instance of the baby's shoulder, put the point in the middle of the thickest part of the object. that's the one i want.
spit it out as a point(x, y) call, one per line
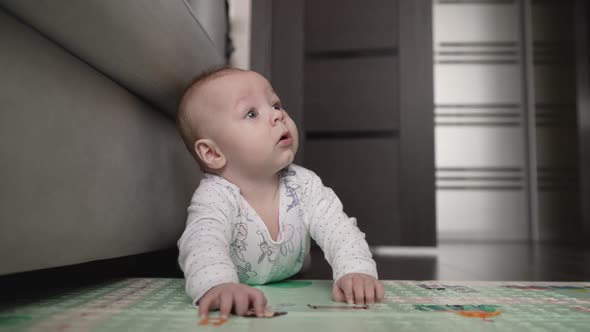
point(304, 180)
point(299, 175)
point(214, 189)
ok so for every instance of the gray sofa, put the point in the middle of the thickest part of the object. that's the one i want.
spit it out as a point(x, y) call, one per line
point(90, 161)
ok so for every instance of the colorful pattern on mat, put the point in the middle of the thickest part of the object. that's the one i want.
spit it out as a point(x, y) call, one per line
point(161, 305)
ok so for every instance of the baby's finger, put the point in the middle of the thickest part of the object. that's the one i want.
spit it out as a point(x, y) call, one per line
point(225, 304)
point(369, 291)
point(337, 294)
point(379, 291)
point(204, 307)
point(346, 287)
point(258, 302)
point(241, 303)
point(359, 292)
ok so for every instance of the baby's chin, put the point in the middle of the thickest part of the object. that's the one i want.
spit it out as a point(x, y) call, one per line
point(292, 156)
point(288, 161)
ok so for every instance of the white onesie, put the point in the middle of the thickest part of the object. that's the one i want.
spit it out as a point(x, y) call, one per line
point(226, 241)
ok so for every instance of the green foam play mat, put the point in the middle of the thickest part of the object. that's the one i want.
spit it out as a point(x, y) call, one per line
point(156, 304)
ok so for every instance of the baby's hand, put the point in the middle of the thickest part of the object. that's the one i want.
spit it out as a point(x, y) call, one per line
point(358, 288)
point(225, 296)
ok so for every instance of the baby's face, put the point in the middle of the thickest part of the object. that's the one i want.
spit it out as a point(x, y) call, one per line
point(249, 124)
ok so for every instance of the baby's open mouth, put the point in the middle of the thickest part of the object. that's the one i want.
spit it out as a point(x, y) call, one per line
point(284, 137)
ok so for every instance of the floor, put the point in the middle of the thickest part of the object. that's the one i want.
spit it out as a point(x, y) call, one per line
point(473, 261)
point(448, 261)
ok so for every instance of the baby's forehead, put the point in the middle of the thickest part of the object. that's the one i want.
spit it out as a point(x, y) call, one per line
point(241, 80)
point(229, 89)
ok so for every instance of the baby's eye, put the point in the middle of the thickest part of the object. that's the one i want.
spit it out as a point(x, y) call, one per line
point(277, 106)
point(252, 114)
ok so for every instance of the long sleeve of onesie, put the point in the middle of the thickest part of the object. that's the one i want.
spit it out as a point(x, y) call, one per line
point(342, 242)
point(205, 244)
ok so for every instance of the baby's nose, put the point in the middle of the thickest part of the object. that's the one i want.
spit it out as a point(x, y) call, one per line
point(278, 116)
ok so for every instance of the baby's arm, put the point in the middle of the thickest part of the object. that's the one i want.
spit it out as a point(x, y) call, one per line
point(344, 246)
point(211, 278)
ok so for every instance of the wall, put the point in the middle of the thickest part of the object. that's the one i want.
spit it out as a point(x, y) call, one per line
point(240, 22)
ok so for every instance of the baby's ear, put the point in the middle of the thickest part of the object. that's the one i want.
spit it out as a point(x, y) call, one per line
point(209, 153)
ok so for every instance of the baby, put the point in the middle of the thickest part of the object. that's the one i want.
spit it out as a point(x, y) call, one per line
point(252, 216)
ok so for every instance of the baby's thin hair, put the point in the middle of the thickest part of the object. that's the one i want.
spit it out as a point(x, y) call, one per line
point(187, 132)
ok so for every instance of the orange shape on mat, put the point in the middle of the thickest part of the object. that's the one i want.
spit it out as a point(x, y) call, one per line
point(215, 321)
point(478, 314)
